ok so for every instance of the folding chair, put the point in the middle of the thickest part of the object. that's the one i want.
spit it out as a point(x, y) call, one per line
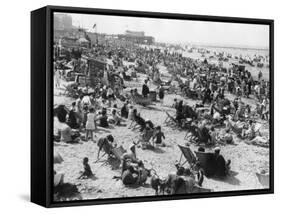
point(118, 152)
point(170, 120)
point(145, 138)
point(188, 154)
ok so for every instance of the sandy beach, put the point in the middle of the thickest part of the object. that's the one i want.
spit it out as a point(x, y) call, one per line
point(246, 159)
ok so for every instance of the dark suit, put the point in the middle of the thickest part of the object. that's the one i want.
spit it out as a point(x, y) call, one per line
point(145, 90)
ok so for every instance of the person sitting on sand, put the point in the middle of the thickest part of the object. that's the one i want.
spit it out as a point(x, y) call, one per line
point(216, 117)
point(106, 144)
point(131, 155)
point(133, 173)
point(136, 93)
point(222, 167)
point(146, 135)
point(124, 111)
point(157, 137)
point(67, 135)
point(203, 133)
point(87, 170)
point(61, 112)
point(139, 121)
point(228, 138)
point(103, 119)
point(117, 120)
point(250, 132)
point(86, 100)
point(129, 175)
point(259, 140)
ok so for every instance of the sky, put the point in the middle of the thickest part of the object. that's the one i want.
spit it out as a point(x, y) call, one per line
point(180, 31)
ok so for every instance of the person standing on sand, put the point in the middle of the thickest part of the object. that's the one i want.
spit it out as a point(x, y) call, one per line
point(79, 111)
point(110, 96)
point(91, 124)
point(260, 75)
point(145, 89)
point(131, 116)
point(161, 94)
point(105, 78)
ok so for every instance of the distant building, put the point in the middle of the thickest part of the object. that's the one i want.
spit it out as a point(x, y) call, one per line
point(62, 22)
point(136, 37)
point(134, 33)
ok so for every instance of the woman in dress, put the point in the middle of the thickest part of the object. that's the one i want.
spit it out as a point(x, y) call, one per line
point(90, 124)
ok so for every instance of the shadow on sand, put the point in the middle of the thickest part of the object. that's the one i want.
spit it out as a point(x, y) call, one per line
point(154, 149)
point(230, 179)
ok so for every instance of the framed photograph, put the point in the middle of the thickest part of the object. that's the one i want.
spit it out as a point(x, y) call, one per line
point(134, 106)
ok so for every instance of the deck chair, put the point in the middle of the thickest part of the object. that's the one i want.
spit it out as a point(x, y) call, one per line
point(115, 152)
point(118, 152)
point(188, 154)
point(207, 161)
point(170, 120)
point(144, 139)
point(191, 131)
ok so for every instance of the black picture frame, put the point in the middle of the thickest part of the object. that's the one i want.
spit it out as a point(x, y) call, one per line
point(42, 102)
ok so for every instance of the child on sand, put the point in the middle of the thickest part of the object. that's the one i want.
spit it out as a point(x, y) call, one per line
point(117, 120)
point(90, 124)
point(157, 138)
point(87, 170)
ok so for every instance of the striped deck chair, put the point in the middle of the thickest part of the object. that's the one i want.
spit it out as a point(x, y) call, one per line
point(188, 154)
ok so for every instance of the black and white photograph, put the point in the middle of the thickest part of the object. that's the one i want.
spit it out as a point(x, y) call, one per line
point(149, 107)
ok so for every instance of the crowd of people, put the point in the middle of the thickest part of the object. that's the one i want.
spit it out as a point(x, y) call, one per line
point(221, 111)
